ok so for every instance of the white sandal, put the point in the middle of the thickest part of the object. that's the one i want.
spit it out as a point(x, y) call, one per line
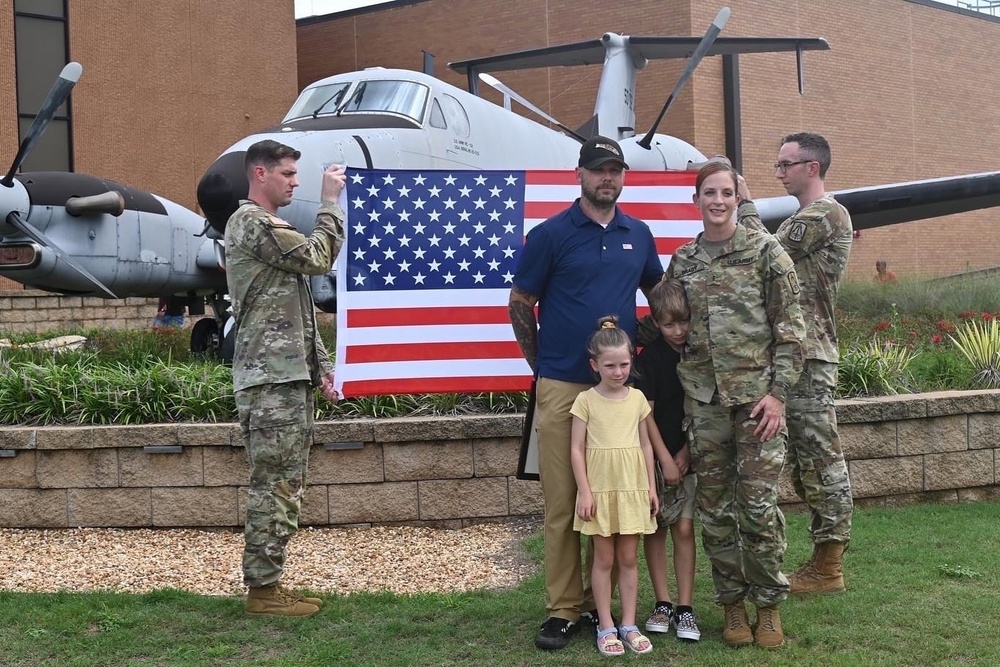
point(608, 645)
point(633, 644)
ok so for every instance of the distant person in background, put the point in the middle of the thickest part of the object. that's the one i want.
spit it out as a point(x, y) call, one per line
point(170, 313)
point(882, 272)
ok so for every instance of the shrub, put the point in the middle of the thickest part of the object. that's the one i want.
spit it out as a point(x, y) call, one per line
point(941, 368)
point(877, 369)
point(979, 341)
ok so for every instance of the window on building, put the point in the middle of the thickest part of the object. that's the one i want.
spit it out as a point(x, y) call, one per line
point(41, 50)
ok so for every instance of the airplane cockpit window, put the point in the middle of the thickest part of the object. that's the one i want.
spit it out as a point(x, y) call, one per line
point(455, 115)
point(321, 99)
point(405, 98)
point(402, 97)
point(437, 116)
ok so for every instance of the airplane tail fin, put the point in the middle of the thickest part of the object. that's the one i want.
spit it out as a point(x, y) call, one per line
point(622, 56)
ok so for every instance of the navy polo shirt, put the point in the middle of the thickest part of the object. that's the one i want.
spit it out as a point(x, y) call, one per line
point(581, 272)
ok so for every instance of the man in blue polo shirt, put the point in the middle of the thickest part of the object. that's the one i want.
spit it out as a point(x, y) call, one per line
point(578, 266)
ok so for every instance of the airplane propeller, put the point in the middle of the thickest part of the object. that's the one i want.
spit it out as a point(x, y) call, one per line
point(703, 46)
point(498, 85)
point(19, 197)
point(60, 91)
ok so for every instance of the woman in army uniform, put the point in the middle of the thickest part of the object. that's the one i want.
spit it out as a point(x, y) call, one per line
point(742, 355)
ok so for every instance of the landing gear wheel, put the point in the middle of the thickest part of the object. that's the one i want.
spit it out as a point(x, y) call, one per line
point(205, 337)
point(227, 348)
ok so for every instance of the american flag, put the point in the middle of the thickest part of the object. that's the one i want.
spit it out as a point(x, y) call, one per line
point(428, 261)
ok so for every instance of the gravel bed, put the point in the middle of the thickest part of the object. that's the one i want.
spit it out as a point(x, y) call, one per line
point(323, 560)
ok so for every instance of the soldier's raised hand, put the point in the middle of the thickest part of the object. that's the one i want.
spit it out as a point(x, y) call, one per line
point(334, 181)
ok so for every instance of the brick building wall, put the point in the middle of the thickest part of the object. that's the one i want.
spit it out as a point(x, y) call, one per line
point(905, 93)
point(166, 86)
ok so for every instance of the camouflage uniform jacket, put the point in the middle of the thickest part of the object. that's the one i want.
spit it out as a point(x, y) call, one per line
point(745, 339)
point(818, 239)
point(267, 267)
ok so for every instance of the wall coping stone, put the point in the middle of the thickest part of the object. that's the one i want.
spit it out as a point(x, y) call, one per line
point(430, 428)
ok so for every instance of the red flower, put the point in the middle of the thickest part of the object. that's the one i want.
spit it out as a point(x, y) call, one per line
point(964, 315)
point(945, 326)
point(881, 326)
point(936, 339)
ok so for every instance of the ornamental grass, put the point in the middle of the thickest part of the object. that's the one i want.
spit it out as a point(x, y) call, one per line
point(911, 336)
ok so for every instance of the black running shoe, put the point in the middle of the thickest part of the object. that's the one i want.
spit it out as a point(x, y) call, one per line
point(555, 633)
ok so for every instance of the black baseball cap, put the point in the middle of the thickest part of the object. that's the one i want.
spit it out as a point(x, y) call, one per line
point(598, 150)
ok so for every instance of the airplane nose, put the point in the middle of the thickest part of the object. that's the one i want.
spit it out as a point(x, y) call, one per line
point(221, 189)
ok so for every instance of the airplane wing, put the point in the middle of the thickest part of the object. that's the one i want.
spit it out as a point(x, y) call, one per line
point(880, 205)
point(592, 51)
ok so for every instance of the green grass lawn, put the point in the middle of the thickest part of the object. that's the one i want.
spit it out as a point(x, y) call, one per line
point(922, 590)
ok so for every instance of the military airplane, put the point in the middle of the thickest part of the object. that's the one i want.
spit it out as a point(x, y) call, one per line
point(391, 118)
point(77, 234)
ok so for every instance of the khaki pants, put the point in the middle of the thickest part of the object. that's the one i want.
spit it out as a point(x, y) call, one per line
point(564, 582)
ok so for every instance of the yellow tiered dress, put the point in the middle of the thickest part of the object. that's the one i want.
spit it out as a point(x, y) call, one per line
point(616, 467)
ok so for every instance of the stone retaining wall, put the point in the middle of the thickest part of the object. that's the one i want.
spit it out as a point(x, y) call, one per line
point(35, 311)
point(435, 471)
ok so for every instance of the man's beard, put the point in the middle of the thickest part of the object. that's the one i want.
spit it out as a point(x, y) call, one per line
point(601, 202)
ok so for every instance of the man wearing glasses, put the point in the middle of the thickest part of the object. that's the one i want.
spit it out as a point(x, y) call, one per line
point(818, 239)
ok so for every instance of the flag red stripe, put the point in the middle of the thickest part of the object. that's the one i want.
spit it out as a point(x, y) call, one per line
point(668, 246)
point(547, 177)
point(542, 210)
point(361, 354)
point(393, 317)
point(462, 385)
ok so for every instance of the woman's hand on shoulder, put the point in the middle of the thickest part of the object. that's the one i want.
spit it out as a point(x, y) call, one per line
point(742, 190)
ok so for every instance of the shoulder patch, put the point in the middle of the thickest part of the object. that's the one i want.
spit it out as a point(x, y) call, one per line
point(275, 222)
point(797, 231)
point(793, 281)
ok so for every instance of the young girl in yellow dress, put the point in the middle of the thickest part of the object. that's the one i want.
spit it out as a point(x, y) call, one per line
point(616, 492)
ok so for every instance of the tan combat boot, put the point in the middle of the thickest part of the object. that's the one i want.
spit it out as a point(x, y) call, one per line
point(316, 601)
point(737, 631)
point(806, 567)
point(824, 573)
point(768, 632)
point(275, 601)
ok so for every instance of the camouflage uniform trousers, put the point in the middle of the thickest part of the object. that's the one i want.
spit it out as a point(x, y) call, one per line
point(276, 421)
point(743, 531)
point(815, 458)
